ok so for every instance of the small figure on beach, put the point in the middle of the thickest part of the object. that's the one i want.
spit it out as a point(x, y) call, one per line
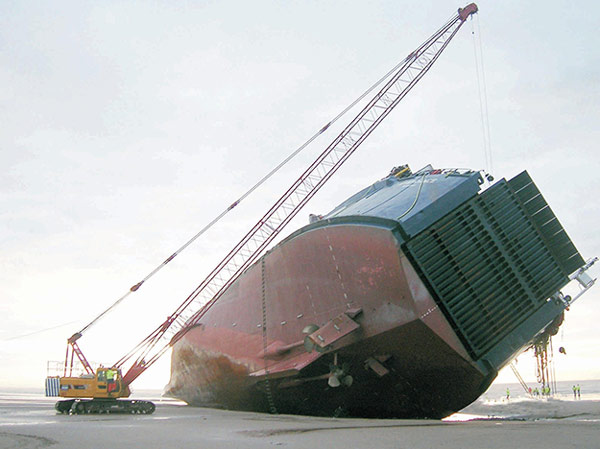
point(574, 392)
point(578, 392)
point(507, 394)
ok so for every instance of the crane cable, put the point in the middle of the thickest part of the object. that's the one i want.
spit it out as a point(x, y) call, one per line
point(482, 90)
point(39, 331)
point(135, 287)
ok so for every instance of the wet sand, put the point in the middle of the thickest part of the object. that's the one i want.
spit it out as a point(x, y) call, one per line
point(32, 423)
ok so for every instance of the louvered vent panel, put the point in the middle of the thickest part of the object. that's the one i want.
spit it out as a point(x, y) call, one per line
point(490, 265)
point(550, 228)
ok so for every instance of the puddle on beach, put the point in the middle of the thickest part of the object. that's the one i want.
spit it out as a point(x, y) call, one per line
point(462, 417)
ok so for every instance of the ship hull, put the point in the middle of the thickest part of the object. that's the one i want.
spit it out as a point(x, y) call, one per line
point(419, 366)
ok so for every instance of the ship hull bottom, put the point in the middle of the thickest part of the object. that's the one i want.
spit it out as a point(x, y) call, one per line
point(407, 372)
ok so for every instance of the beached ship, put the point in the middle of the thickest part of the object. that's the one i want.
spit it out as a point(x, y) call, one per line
point(404, 301)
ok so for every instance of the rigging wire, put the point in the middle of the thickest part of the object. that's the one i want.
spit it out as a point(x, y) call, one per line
point(482, 91)
point(18, 337)
point(135, 287)
point(552, 368)
point(485, 97)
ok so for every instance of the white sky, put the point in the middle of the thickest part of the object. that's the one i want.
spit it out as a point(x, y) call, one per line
point(126, 126)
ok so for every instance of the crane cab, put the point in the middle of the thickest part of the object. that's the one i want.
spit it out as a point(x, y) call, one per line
point(106, 383)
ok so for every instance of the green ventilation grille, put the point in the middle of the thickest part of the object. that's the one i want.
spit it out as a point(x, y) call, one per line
point(550, 228)
point(489, 264)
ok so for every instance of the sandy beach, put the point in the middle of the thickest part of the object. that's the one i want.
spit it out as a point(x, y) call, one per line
point(31, 422)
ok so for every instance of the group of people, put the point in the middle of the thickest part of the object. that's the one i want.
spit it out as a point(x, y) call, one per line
point(544, 390)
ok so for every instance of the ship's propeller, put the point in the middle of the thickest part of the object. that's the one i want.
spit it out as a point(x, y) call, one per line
point(333, 381)
point(336, 380)
point(338, 374)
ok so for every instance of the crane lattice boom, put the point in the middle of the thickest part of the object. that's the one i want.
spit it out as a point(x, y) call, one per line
point(252, 245)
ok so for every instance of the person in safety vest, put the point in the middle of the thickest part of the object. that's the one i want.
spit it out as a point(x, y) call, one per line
point(110, 379)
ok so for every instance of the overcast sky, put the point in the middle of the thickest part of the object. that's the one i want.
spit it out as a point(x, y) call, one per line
point(126, 126)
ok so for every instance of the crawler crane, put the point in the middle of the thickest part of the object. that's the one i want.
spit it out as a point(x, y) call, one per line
point(103, 390)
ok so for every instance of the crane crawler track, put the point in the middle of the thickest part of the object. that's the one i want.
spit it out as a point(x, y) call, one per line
point(98, 406)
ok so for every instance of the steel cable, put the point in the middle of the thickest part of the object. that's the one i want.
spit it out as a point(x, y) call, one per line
point(135, 287)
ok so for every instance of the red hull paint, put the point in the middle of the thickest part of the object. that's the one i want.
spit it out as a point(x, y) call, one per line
point(403, 355)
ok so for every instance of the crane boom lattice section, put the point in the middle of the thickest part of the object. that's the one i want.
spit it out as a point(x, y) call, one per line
point(248, 250)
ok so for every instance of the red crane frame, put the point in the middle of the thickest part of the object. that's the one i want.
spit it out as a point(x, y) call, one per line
point(251, 246)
